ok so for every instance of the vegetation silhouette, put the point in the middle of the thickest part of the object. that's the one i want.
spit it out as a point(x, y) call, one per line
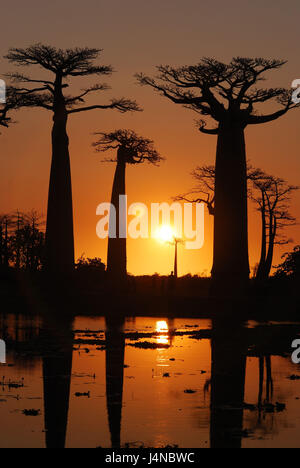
point(273, 201)
point(49, 94)
point(131, 149)
point(290, 267)
point(22, 241)
point(227, 94)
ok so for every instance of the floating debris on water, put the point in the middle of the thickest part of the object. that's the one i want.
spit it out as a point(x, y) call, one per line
point(31, 412)
point(85, 394)
point(148, 345)
point(10, 384)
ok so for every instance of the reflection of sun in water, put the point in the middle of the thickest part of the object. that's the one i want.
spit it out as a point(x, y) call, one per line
point(165, 234)
point(162, 326)
point(163, 330)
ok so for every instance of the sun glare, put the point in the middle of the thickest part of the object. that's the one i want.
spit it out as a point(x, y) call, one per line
point(165, 234)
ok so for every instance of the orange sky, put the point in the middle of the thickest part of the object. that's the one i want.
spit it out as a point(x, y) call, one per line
point(136, 36)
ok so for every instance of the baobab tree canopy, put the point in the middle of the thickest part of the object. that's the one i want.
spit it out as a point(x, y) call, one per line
point(76, 62)
point(136, 149)
point(213, 88)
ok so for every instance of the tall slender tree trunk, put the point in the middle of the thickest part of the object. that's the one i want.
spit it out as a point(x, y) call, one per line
point(272, 236)
point(262, 262)
point(230, 271)
point(18, 243)
point(6, 254)
point(59, 231)
point(176, 260)
point(116, 254)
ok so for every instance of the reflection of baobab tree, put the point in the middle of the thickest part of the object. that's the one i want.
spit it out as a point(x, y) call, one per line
point(57, 370)
point(228, 371)
point(115, 352)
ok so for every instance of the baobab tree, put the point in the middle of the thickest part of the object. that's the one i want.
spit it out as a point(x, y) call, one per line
point(227, 93)
point(50, 94)
point(272, 196)
point(131, 149)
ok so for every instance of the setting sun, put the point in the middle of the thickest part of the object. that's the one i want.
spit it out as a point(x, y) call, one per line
point(165, 234)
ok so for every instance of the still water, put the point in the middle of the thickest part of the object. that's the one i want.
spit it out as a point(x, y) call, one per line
point(150, 382)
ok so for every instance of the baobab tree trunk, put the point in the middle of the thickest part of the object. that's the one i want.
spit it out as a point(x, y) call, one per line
point(116, 254)
point(262, 263)
point(59, 231)
point(230, 271)
point(272, 236)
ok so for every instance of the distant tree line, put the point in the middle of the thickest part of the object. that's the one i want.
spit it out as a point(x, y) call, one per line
point(22, 241)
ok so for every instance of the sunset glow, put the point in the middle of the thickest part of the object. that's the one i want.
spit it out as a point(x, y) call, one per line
point(165, 234)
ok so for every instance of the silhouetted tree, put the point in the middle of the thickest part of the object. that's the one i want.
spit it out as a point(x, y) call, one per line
point(291, 264)
point(49, 94)
point(131, 149)
point(28, 242)
point(90, 264)
point(227, 94)
point(22, 243)
point(272, 195)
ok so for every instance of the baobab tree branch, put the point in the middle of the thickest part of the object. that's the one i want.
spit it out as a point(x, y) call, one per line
point(92, 89)
point(20, 78)
point(209, 131)
point(122, 105)
point(209, 202)
point(14, 101)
